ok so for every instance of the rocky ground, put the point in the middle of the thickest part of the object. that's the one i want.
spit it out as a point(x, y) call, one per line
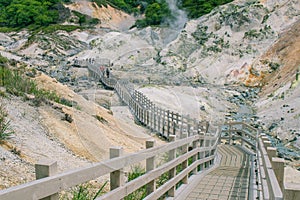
point(240, 62)
point(44, 133)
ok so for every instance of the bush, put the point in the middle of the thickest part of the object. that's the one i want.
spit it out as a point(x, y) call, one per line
point(19, 85)
point(136, 172)
point(197, 8)
point(55, 27)
point(19, 13)
point(5, 131)
point(83, 192)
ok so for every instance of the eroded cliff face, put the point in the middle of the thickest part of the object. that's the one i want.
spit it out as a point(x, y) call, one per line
point(109, 17)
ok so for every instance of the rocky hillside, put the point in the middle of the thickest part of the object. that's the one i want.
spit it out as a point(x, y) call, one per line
point(239, 62)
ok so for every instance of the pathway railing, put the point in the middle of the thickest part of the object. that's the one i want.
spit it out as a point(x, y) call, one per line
point(267, 170)
point(168, 123)
point(193, 152)
point(164, 122)
point(190, 154)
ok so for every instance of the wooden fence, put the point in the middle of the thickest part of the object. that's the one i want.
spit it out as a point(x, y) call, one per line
point(192, 154)
point(267, 169)
point(240, 132)
point(164, 122)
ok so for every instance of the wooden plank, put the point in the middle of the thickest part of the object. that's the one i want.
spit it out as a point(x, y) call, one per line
point(242, 131)
point(66, 180)
point(274, 185)
point(172, 172)
point(164, 188)
point(146, 178)
point(150, 165)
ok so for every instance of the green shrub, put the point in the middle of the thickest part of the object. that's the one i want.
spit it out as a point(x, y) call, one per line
point(55, 27)
point(83, 192)
point(197, 8)
point(136, 171)
point(21, 13)
point(19, 85)
point(5, 131)
point(274, 66)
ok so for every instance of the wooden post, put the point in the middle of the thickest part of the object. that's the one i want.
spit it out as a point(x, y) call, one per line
point(154, 117)
point(243, 135)
point(148, 121)
point(267, 144)
point(174, 127)
point(185, 163)
point(163, 122)
point(198, 128)
point(45, 169)
point(188, 129)
point(159, 120)
point(200, 154)
point(168, 123)
point(172, 172)
point(291, 191)
point(195, 145)
point(177, 118)
point(150, 165)
point(278, 167)
point(272, 152)
point(181, 127)
point(116, 177)
point(230, 135)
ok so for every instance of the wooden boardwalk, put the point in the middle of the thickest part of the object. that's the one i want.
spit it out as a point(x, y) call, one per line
point(230, 180)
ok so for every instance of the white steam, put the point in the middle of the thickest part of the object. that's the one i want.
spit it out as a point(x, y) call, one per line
point(179, 15)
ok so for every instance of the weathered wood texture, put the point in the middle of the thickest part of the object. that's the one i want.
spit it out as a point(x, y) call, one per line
point(51, 185)
point(164, 122)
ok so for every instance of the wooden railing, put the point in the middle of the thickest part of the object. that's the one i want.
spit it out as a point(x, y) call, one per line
point(267, 169)
point(269, 183)
point(245, 137)
point(266, 184)
point(164, 122)
point(96, 72)
point(193, 154)
point(240, 132)
point(194, 151)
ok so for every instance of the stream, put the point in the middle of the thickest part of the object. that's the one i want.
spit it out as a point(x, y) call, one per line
point(245, 112)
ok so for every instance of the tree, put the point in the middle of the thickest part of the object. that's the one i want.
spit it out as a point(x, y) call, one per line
point(20, 13)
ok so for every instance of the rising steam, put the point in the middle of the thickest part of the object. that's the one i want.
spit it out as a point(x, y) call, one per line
point(179, 15)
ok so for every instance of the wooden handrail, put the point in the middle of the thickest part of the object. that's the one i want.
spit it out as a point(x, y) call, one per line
point(270, 183)
point(54, 184)
point(164, 122)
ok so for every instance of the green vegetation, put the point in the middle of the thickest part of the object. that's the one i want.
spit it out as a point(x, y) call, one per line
point(55, 27)
point(129, 6)
point(260, 34)
point(83, 192)
point(19, 85)
point(155, 14)
point(100, 119)
point(5, 131)
point(41, 13)
point(84, 19)
point(16, 83)
point(136, 172)
point(197, 8)
point(157, 11)
point(272, 65)
point(21, 13)
point(200, 34)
